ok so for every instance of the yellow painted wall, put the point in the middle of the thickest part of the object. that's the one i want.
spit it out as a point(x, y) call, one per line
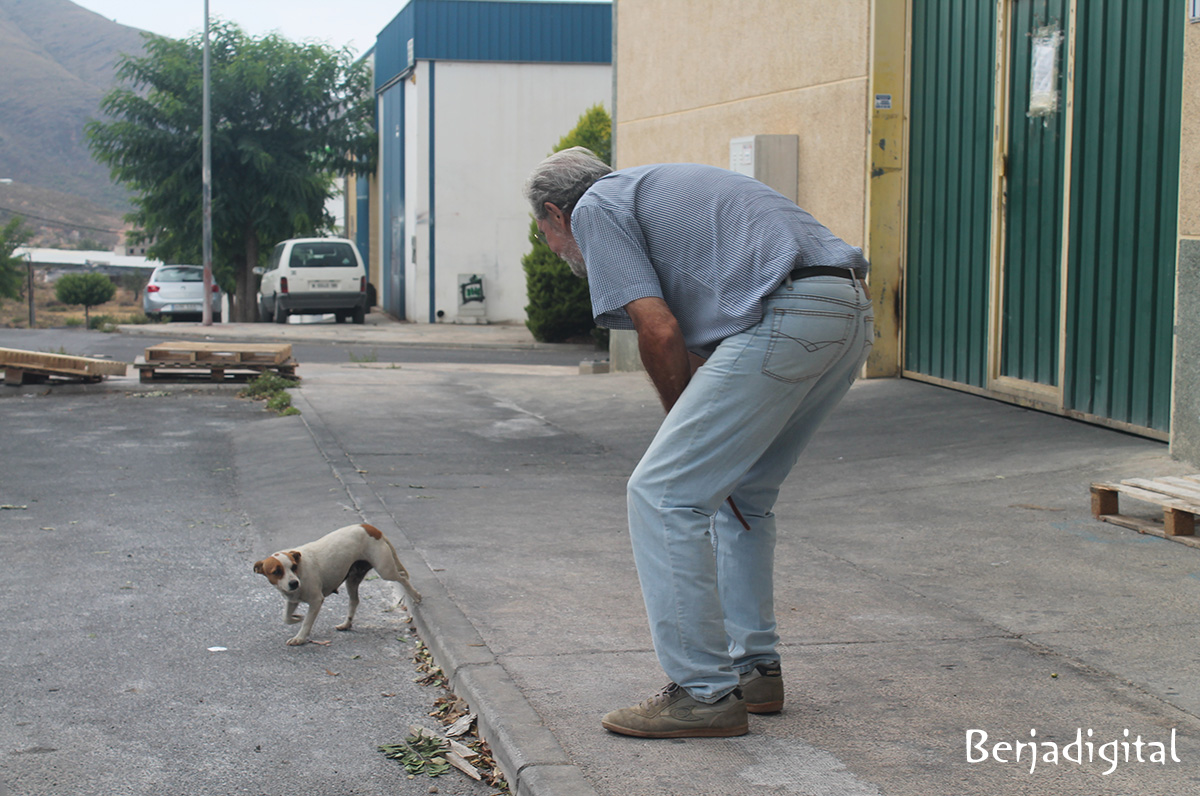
point(691, 76)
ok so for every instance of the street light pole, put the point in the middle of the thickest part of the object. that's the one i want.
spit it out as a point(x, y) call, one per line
point(29, 262)
point(206, 168)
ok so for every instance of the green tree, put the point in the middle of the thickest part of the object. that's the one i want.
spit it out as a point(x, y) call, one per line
point(86, 289)
point(12, 235)
point(560, 306)
point(286, 119)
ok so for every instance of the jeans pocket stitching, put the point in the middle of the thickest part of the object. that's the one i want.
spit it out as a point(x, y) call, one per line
point(778, 336)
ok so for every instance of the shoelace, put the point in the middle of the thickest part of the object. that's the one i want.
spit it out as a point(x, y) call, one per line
point(662, 696)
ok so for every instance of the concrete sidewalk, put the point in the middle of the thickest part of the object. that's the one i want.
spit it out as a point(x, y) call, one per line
point(938, 573)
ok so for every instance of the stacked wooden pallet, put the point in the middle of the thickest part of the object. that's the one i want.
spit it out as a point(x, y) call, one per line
point(1179, 498)
point(34, 367)
point(194, 361)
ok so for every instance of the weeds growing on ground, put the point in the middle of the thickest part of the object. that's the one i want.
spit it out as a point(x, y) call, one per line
point(272, 388)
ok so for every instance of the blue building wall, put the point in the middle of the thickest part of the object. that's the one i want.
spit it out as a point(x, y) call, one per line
point(479, 30)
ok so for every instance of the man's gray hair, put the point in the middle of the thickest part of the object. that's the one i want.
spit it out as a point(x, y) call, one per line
point(563, 178)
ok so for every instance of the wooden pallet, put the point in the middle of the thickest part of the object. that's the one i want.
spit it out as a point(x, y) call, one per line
point(34, 367)
point(220, 353)
point(214, 362)
point(209, 371)
point(1178, 496)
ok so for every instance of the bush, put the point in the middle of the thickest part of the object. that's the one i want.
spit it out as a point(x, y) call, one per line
point(560, 306)
point(86, 289)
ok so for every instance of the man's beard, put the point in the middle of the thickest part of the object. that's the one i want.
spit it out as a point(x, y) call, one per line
point(574, 258)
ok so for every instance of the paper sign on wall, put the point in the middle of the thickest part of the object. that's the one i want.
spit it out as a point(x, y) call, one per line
point(1043, 71)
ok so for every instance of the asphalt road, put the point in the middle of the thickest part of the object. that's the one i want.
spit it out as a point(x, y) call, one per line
point(140, 654)
point(125, 348)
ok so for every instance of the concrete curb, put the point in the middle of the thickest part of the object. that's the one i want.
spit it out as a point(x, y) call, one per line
point(533, 761)
point(391, 334)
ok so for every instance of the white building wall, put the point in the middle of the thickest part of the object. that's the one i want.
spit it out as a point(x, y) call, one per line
point(495, 122)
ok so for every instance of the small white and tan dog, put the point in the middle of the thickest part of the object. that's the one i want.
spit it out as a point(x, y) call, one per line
point(313, 571)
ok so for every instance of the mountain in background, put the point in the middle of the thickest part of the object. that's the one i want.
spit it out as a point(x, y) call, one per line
point(57, 60)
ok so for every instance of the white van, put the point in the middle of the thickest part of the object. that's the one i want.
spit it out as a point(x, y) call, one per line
point(313, 276)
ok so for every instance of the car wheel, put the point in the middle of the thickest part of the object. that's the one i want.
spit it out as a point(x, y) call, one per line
point(340, 317)
point(281, 315)
point(263, 315)
point(360, 315)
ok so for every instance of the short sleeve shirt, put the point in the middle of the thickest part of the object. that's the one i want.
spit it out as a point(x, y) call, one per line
point(711, 243)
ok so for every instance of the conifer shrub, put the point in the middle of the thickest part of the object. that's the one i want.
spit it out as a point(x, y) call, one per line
point(560, 306)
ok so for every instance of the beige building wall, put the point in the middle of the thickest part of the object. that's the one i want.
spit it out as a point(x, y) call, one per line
point(1185, 405)
point(691, 76)
point(1189, 167)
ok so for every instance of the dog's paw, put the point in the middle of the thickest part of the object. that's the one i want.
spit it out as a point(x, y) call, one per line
point(296, 641)
point(343, 626)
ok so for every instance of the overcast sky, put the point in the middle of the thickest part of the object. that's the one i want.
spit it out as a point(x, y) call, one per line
point(335, 22)
point(340, 23)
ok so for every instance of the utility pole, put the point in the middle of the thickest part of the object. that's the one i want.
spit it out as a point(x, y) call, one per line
point(206, 169)
point(29, 262)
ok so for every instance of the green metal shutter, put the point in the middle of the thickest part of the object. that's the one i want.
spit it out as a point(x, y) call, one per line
point(950, 163)
point(1033, 232)
point(1124, 206)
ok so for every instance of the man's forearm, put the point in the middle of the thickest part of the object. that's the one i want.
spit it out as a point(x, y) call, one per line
point(668, 365)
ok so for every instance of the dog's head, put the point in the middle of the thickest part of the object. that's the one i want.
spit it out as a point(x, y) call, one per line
point(281, 570)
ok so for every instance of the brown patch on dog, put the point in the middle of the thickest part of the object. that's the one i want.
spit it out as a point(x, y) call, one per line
point(271, 568)
point(295, 556)
point(372, 531)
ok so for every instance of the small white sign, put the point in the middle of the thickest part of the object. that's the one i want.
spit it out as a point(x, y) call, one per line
point(883, 102)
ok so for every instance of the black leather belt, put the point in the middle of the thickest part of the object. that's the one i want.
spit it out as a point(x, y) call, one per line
point(822, 270)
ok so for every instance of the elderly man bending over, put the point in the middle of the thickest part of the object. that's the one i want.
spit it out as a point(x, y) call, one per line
point(753, 320)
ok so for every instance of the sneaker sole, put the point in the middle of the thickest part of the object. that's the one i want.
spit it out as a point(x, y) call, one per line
point(764, 707)
point(699, 732)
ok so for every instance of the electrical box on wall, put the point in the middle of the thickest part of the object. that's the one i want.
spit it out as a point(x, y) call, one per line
point(770, 159)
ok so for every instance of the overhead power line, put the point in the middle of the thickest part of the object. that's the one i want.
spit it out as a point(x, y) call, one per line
point(59, 223)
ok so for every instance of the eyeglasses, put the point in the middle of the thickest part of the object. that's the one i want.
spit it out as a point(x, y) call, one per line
point(542, 237)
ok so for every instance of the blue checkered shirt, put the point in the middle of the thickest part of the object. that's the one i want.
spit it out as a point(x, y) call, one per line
point(711, 243)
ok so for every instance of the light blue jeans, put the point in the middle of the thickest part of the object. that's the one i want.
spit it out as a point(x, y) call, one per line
point(737, 430)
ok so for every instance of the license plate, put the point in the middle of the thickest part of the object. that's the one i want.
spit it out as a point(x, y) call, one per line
point(181, 308)
point(313, 285)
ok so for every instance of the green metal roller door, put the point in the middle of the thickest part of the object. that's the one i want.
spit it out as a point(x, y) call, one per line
point(1124, 206)
point(950, 159)
point(1106, 350)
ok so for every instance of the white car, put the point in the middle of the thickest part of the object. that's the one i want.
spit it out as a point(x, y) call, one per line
point(177, 291)
point(313, 276)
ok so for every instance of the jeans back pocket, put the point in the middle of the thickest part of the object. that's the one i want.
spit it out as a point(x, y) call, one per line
point(806, 341)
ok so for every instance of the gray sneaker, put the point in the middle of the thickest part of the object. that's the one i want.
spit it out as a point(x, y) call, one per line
point(672, 713)
point(762, 687)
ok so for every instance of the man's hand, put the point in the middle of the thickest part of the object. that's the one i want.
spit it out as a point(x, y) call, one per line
point(661, 345)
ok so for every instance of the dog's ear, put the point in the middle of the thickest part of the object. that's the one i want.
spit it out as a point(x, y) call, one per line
point(258, 567)
point(295, 556)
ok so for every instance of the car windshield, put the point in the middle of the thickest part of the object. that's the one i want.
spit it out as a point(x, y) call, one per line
point(322, 255)
point(179, 275)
